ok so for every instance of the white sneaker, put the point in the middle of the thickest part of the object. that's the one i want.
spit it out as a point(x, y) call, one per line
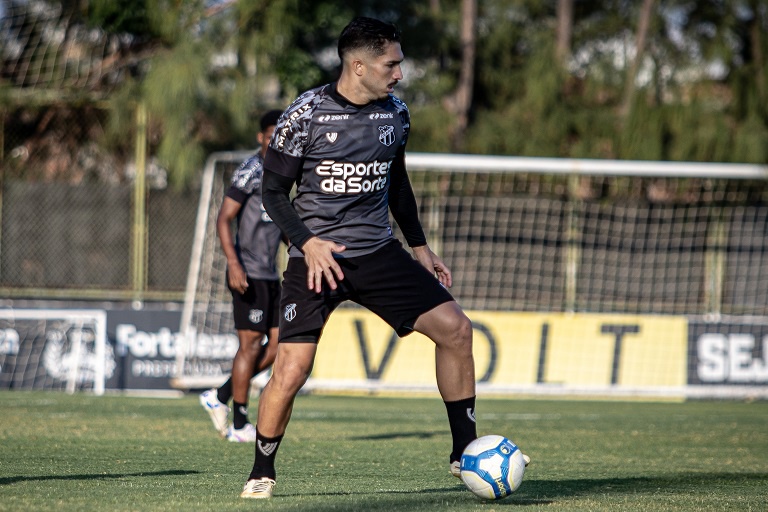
point(456, 466)
point(216, 410)
point(247, 434)
point(258, 488)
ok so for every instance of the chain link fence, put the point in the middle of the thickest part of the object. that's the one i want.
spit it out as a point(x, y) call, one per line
point(69, 224)
point(76, 241)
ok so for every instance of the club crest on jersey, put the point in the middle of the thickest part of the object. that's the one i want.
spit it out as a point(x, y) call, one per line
point(331, 136)
point(290, 312)
point(255, 315)
point(387, 134)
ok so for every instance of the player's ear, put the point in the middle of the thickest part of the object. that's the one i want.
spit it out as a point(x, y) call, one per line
point(357, 67)
point(260, 138)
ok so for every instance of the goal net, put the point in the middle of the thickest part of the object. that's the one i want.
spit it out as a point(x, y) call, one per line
point(580, 276)
point(64, 350)
point(207, 324)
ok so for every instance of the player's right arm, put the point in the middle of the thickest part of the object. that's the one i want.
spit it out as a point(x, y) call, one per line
point(318, 253)
point(236, 274)
point(282, 168)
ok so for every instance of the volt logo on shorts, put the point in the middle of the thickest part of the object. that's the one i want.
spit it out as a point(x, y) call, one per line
point(352, 177)
point(267, 448)
point(290, 312)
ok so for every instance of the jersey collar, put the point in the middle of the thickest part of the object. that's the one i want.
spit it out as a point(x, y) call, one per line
point(344, 102)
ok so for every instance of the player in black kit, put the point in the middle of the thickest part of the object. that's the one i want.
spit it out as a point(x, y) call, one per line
point(343, 146)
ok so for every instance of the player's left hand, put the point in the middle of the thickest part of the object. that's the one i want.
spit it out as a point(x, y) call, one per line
point(434, 264)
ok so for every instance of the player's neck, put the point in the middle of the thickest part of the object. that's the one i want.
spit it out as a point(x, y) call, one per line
point(351, 92)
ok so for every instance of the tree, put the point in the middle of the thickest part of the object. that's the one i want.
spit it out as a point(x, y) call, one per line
point(641, 36)
point(564, 31)
point(460, 102)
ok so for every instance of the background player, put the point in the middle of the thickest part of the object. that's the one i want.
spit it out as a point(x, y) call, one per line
point(253, 279)
point(343, 145)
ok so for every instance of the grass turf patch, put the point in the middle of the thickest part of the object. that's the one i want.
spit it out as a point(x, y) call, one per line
point(80, 452)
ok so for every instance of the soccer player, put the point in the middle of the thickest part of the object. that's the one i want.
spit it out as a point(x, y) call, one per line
point(343, 145)
point(253, 280)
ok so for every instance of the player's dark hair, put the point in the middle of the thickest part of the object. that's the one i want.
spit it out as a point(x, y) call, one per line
point(369, 34)
point(270, 119)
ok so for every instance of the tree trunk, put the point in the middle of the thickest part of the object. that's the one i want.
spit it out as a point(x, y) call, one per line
point(644, 22)
point(462, 100)
point(758, 61)
point(564, 31)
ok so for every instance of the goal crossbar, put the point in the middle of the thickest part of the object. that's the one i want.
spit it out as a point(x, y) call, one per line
point(585, 166)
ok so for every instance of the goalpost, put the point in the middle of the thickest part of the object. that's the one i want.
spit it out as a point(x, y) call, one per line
point(54, 349)
point(207, 326)
point(580, 276)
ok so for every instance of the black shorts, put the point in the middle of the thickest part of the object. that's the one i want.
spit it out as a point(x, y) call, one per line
point(258, 308)
point(389, 282)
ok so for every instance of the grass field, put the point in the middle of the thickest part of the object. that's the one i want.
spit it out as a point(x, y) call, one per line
point(83, 453)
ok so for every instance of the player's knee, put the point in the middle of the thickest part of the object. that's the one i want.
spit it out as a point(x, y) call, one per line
point(460, 328)
point(250, 342)
point(464, 331)
point(291, 377)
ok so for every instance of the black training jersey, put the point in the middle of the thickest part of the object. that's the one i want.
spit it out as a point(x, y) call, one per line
point(340, 155)
point(258, 238)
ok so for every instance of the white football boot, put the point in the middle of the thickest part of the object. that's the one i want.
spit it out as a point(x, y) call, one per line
point(247, 434)
point(258, 488)
point(216, 410)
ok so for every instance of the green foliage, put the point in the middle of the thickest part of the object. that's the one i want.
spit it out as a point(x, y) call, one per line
point(640, 136)
point(174, 20)
point(429, 129)
point(174, 91)
point(119, 16)
point(206, 74)
point(697, 138)
point(121, 120)
point(750, 142)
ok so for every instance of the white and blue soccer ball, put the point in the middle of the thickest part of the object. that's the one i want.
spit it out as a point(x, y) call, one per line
point(492, 467)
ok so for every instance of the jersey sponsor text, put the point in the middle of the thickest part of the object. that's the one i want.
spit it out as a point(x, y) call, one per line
point(352, 178)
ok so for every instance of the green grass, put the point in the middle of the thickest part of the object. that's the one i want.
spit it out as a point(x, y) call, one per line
point(81, 453)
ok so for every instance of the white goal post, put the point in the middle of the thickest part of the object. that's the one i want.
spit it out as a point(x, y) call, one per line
point(657, 267)
point(206, 318)
point(54, 349)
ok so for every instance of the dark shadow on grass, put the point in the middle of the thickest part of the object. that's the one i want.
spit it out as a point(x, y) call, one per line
point(532, 492)
point(94, 476)
point(552, 489)
point(399, 435)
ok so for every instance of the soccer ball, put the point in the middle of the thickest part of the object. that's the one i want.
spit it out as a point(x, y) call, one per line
point(492, 467)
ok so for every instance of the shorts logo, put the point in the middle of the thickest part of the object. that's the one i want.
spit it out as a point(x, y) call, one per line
point(331, 136)
point(387, 134)
point(290, 312)
point(255, 315)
